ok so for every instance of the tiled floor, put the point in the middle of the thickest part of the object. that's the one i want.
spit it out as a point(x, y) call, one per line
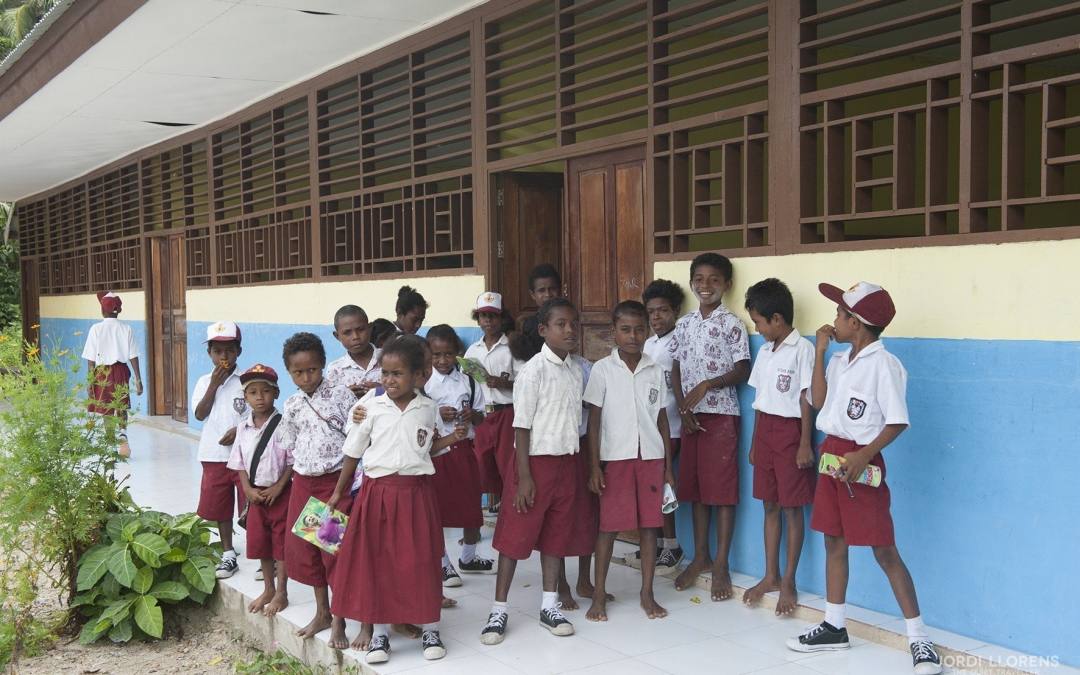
point(699, 636)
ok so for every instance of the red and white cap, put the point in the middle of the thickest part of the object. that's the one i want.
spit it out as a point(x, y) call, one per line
point(868, 302)
point(489, 301)
point(223, 331)
point(259, 373)
point(110, 302)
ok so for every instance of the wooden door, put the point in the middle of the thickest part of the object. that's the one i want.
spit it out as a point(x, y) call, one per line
point(168, 327)
point(30, 299)
point(528, 232)
point(606, 240)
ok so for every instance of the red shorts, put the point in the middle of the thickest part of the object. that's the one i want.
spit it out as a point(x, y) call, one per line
point(633, 493)
point(457, 486)
point(862, 520)
point(549, 526)
point(709, 462)
point(777, 478)
point(304, 562)
point(219, 493)
point(266, 528)
point(390, 569)
point(587, 510)
point(494, 448)
point(103, 389)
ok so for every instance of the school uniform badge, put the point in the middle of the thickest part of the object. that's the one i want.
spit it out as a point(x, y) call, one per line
point(654, 395)
point(783, 383)
point(421, 437)
point(239, 405)
point(856, 408)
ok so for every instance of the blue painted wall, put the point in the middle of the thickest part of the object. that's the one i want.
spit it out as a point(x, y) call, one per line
point(70, 334)
point(984, 495)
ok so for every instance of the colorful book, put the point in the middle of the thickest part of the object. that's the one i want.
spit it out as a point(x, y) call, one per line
point(317, 526)
point(473, 369)
point(830, 464)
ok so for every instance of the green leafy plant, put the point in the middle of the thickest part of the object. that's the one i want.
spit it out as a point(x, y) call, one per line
point(145, 560)
point(283, 663)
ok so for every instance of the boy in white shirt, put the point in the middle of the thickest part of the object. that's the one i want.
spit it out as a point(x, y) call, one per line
point(630, 451)
point(861, 397)
point(547, 412)
point(220, 407)
point(780, 451)
point(110, 346)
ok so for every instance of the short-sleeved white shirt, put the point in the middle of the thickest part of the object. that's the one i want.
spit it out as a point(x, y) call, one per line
point(781, 373)
point(586, 369)
point(455, 389)
point(864, 394)
point(392, 440)
point(547, 401)
point(229, 407)
point(496, 361)
point(110, 341)
point(657, 349)
point(630, 402)
point(706, 348)
point(346, 372)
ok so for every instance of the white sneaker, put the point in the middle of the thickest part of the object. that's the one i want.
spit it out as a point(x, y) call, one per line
point(433, 646)
point(226, 568)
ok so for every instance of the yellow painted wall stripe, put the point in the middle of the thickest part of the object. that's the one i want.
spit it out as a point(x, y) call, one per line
point(86, 306)
point(1015, 291)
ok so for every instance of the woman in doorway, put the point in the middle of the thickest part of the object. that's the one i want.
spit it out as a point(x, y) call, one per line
point(110, 346)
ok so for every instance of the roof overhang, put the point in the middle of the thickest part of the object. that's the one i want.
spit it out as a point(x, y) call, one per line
point(104, 78)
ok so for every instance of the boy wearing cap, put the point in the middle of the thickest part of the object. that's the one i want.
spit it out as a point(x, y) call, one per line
point(109, 344)
point(220, 406)
point(861, 399)
point(264, 468)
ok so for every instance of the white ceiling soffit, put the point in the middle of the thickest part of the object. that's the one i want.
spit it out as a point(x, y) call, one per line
point(188, 62)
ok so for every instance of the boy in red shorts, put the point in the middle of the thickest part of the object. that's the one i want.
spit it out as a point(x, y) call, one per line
point(861, 397)
point(711, 353)
point(628, 433)
point(780, 452)
point(541, 484)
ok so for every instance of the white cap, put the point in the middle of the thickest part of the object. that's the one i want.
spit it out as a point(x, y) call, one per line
point(489, 301)
point(223, 331)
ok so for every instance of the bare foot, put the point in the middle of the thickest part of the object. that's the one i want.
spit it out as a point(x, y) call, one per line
point(447, 603)
point(598, 610)
point(318, 624)
point(652, 608)
point(260, 602)
point(124, 450)
point(280, 602)
point(789, 598)
point(566, 597)
point(689, 576)
point(408, 630)
point(363, 639)
point(721, 585)
point(753, 595)
point(338, 639)
point(586, 590)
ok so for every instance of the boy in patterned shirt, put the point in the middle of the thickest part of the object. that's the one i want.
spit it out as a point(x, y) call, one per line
point(313, 428)
point(711, 353)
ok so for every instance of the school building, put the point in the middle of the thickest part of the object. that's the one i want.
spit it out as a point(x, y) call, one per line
point(267, 162)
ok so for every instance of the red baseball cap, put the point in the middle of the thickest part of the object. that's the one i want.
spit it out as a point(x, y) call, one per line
point(259, 373)
point(868, 302)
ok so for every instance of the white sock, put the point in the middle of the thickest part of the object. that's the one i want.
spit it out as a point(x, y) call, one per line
point(669, 544)
point(549, 600)
point(445, 560)
point(499, 607)
point(229, 554)
point(468, 552)
point(834, 614)
point(430, 626)
point(916, 630)
point(380, 629)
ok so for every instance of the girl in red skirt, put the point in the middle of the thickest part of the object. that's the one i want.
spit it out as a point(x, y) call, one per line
point(457, 476)
point(395, 517)
point(110, 346)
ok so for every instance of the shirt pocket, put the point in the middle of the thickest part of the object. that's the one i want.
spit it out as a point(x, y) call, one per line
point(858, 407)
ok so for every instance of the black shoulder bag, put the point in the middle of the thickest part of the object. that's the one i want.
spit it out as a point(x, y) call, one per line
point(264, 440)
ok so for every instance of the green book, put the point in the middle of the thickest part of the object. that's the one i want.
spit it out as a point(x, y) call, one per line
point(473, 369)
point(830, 464)
point(317, 526)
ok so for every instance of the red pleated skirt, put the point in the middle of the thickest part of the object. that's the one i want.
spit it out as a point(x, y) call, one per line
point(457, 486)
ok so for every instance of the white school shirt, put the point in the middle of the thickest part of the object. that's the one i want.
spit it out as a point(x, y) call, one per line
point(275, 458)
point(586, 368)
point(657, 349)
point(863, 395)
point(630, 403)
point(454, 390)
point(348, 373)
point(781, 373)
point(229, 407)
point(496, 361)
point(392, 440)
point(110, 341)
point(547, 401)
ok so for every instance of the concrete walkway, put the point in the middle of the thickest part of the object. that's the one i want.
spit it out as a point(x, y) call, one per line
point(699, 636)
